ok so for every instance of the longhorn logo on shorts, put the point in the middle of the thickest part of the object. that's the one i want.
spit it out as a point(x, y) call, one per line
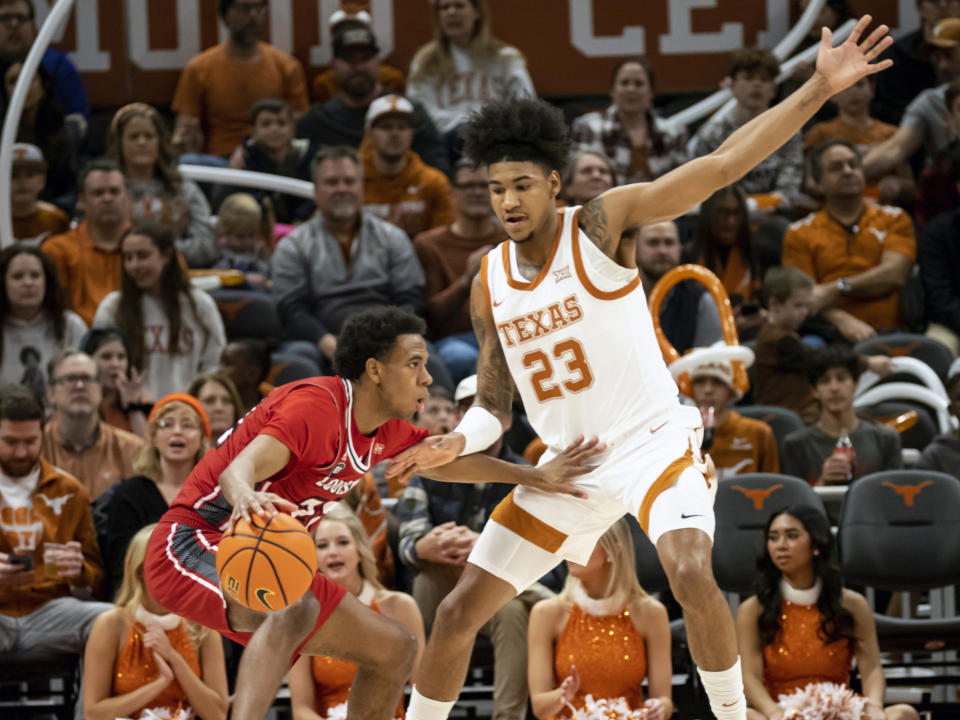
point(758, 495)
point(908, 492)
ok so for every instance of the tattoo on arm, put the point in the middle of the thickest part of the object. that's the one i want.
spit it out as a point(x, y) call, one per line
point(494, 384)
point(593, 222)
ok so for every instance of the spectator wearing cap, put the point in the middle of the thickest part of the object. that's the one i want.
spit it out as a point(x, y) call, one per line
point(397, 185)
point(740, 444)
point(18, 30)
point(76, 439)
point(943, 452)
point(342, 260)
point(325, 85)
point(450, 256)
point(858, 253)
point(33, 219)
point(88, 256)
point(341, 120)
point(178, 436)
point(220, 85)
point(925, 125)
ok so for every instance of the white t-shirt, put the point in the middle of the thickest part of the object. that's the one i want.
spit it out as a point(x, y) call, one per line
point(19, 364)
point(202, 338)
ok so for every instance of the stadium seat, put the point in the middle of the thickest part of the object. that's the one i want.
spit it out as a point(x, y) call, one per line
point(932, 352)
point(919, 435)
point(247, 314)
point(781, 420)
point(25, 684)
point(289, 367)
point(900, 531)
point(744, 504)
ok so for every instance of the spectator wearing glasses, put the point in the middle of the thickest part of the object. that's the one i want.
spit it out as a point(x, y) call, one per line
point(18, 30)
point(220, 85)
point(76, 439)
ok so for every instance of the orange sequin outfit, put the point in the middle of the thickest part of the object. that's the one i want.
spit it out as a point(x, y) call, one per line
point(135, 668)
point(332, 679)
point(799, 656)
point(610, 655)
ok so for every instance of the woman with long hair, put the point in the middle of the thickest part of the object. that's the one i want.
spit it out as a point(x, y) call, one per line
point(175, 331)
point(178, 436)
point(140, 144)
point(126, 403)
point(43, 124)
point(219, 397)
point(464, 53)
point(588, 174)
point(139, 657)
point(601, 636)
point(344, 555)
point(640, 145)
point(803, 627)
point(34, 314)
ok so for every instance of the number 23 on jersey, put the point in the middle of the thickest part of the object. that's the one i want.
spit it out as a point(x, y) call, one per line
point(579, 376)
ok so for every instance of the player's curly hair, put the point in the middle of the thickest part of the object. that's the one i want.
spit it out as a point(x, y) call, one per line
point(371, 334)
point(528, 130)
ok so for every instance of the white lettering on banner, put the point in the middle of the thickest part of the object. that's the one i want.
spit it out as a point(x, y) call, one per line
point(682, 40)
point(188, 36)
point(88, 57)
point(281, 26)
point(778, 24)
point(632, 41)
point(380, 10)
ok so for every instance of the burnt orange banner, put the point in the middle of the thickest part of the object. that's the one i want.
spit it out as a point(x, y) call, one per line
point(134, 49)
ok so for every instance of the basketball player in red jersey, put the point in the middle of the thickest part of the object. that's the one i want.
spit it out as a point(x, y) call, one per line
point(300, 449)
point(560, 310)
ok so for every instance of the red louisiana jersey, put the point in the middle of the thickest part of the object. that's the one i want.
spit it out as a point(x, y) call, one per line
point(328, 454)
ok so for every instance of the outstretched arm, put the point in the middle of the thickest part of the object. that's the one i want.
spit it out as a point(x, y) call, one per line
point(605, 218)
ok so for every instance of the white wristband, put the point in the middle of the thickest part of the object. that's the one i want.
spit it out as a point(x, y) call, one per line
point(480, 427)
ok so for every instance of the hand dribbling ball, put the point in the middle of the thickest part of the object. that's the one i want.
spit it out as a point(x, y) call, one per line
point(268, 563)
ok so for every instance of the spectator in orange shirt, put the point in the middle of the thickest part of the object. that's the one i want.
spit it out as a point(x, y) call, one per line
point(397, 185)
point(33, 219)
point(740, 444)
point(859, 253)
point(88, 256)
point(218, 86)
point(326, 86)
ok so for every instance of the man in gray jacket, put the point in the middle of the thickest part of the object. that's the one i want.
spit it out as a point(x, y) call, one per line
point(342, 260)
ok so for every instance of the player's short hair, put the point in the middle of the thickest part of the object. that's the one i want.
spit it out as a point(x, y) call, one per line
point(816, 155)
point(782, 281)
point(838, 355)
point(19, 404)
point(372, 333)
point(754, 60)
point(527, 130)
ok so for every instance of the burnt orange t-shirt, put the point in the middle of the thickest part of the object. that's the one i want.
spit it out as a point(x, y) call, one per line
point(392, 79)
point(744, 445)
point(220, 90)
point(827, 251)
point(46, 221)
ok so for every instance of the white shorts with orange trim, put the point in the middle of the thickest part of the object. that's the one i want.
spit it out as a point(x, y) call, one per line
point(657, 476)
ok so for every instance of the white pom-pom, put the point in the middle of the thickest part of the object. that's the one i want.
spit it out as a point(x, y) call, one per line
point(605, 709)
point(822, 701)
point(339, 712)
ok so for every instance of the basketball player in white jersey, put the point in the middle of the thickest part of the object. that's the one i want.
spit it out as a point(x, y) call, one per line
point(559, 312)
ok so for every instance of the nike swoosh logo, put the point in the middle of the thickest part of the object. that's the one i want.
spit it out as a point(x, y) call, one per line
point(262, 594)
point(497, 304)
point(653, 430)
point(684, 516)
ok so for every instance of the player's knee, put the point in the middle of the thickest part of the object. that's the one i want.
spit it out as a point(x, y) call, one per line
point(691, 580)
point(456, 615)
point(297, 619)
point(398, 651)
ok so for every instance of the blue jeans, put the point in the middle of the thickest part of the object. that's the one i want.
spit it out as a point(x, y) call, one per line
point(459, 353)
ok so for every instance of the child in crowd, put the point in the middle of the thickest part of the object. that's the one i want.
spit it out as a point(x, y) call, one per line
point(272, 148)
point(244, 229)
point(33, 219)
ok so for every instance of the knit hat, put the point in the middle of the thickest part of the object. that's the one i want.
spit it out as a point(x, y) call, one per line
point(720, 370)
point(187, 400)
point(387, 105)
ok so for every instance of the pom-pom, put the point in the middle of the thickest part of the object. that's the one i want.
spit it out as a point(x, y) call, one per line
point(822, 701)
point(339, 712)
point(606, 709)
point(165, 713)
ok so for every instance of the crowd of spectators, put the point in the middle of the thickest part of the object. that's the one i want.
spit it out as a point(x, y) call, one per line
point(119, 371)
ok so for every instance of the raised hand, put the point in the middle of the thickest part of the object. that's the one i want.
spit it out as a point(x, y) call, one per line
point(845, 64)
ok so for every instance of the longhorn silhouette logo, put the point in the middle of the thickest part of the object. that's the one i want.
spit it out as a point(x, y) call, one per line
point(908, 492)
point(758, 495)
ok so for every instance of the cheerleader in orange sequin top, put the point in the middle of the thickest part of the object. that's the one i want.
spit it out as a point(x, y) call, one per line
point(139, 657)
point(803, 626)
point(344, 554)
point(601, 636)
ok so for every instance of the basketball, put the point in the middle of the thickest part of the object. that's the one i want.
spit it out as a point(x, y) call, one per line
point(266, 564)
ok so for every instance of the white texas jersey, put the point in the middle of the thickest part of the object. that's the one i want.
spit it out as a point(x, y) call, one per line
point(579, 341)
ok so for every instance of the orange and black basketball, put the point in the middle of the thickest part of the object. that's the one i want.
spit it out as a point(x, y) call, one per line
point(266, 564)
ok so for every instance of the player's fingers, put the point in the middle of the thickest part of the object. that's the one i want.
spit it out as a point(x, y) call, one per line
point(877, 67)
point(282, 503)
point(858, 29)
point(875, 37)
